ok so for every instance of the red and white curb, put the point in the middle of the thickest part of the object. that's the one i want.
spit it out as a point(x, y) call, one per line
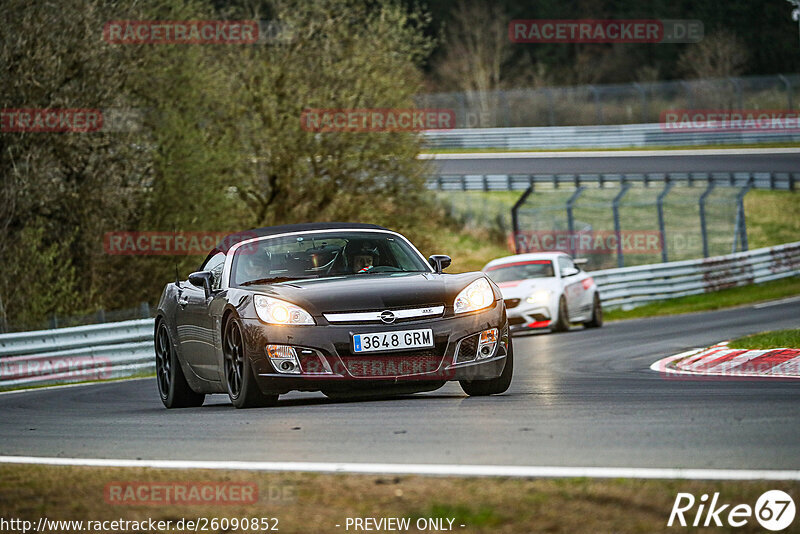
point(721, 361)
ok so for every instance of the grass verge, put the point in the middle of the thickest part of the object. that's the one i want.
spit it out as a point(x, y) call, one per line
point(317, 503)
point(725, 298)
point(776, 339)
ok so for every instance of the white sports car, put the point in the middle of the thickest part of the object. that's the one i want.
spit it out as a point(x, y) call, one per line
point(546, 290)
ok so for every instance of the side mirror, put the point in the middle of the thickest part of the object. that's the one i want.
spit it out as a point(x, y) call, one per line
point(202, 279)
point(580, 261)
point(569, 271)
point(440, 262)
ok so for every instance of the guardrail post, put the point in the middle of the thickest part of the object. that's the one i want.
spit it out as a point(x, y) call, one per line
point(570, 219)
point(144, 308)
point(515, 216)
point(617, 226)
point(661, 226)
point(703, 230)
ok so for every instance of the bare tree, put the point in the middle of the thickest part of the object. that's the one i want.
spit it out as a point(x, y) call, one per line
point(719, 55)
point(477, 48)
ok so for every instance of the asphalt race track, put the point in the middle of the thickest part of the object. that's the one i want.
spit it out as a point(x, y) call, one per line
point(582, 398)
point(621, 162)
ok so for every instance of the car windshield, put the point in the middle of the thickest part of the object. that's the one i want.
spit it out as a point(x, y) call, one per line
point(522, 270)
point(319, 255)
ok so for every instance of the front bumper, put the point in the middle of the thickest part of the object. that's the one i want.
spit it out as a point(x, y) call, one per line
point(526, 317)
point(329, 364)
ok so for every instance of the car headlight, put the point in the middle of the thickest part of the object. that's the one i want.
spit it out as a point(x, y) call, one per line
point(476, 296)
point(276, 311)
point(540, 296)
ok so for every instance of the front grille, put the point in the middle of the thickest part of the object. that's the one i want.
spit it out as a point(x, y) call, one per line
point(395, 365)
point(365, 317)
point(511, 303)
point(468, 349)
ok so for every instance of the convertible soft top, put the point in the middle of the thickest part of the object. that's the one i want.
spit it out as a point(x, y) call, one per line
point(232, 239)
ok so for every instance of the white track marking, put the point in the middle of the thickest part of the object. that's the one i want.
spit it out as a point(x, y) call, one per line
point(611, 153)
point(426, 469)
point(64, 386)
point(777, 302)
point(661, 365)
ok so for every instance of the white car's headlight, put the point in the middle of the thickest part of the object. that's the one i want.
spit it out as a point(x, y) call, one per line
point(276, 311)
point(540, 296)
point(476, 296)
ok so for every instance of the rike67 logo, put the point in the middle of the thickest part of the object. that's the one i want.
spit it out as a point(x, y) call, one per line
point(774, 510)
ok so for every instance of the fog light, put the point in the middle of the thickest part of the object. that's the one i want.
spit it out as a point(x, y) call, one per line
point(487, 344)
point(283, 359)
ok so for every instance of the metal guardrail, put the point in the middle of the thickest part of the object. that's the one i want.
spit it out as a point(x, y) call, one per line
point(631, 286)
point(608, 136)
point(520, 182)
point(124, 349)
point(93, 352)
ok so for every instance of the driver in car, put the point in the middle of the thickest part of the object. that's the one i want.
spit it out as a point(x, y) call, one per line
point(361, 257)
point(252, 267)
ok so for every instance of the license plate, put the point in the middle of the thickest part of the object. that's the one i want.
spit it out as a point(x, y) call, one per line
point(396, 340)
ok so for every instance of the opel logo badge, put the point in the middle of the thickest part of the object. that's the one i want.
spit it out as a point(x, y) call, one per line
point(387, 317)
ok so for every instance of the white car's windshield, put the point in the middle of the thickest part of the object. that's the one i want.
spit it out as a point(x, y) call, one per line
point(317, 255)
point(522, 270)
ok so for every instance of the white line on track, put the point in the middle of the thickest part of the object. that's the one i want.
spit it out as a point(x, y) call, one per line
point(776, 302)
point(426, 469)
point(80, 384)
point(612, 153)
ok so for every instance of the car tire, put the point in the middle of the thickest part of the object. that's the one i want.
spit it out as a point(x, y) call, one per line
point(239, 378)
point(597, 314)
point(561, 324)
point(493, 386)
point(173, 388)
